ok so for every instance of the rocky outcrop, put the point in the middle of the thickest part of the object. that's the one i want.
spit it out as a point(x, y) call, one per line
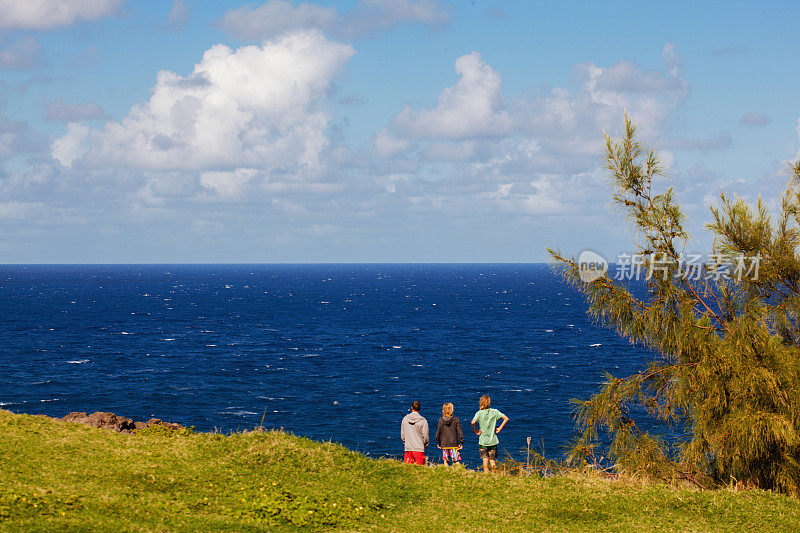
point(169, 425)
point(113, 422)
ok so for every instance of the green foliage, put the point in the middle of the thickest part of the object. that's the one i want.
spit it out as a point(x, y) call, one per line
point(727, 348)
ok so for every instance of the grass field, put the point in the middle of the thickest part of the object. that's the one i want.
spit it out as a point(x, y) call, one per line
point(57, 475)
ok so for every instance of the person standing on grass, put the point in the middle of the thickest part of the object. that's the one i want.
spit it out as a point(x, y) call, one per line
point(415, 435)
point(449, 437)
point(487, 419)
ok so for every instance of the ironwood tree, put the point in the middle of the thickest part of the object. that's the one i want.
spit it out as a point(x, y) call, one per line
point(726, 366)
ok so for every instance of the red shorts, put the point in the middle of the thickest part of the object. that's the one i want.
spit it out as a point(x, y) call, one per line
point(414, 458)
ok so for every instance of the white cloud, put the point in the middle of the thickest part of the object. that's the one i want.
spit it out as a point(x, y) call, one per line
point(73, 145)
point(249, 126)
point(227, 184)
point(532, 155)
point(563, 124)
point(647, 95)
point(47, 14)
point(22, 54)
point(473, 107)
point(160, 187)
point(538, 197)
point(255, 107)
point(388, 145)
point(275, 17)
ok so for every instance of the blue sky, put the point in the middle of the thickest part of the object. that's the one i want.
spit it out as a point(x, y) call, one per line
point(374, 130)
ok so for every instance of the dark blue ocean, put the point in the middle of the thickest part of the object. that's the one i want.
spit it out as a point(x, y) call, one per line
point(327, 351)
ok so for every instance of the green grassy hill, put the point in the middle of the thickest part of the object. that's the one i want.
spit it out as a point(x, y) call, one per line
point(58, 475)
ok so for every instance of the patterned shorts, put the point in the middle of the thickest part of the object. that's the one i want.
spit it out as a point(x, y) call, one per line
point(451, 454)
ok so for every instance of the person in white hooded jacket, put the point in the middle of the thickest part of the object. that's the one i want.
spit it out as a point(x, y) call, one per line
point(415, 435)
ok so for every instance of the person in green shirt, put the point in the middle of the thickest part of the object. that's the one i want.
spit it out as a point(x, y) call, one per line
point(487, 419)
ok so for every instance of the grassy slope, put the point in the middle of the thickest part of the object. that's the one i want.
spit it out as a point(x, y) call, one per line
point(56, 476)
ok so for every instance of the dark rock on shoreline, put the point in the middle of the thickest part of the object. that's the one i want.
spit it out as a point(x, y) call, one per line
point(113, 422)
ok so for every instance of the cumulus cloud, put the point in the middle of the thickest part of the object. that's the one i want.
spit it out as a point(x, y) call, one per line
point(562, 122)
point(752, 119)
point(59, 111)
point(254, 107)
point(387, 144)
point(47, 14)
point(249, 126)
point(473, 107)
point(275, 17)
point(71, 146)
point(21, 54)
point(624, 83)
point(536, 154)
point(227, 184)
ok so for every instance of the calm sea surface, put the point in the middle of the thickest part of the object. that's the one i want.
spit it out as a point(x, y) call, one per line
point(326, 351)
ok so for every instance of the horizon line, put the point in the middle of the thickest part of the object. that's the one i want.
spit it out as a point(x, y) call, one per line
point(290, 263)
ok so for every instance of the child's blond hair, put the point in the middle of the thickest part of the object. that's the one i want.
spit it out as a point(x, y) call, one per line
point(447, 409)
point(485, 402)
